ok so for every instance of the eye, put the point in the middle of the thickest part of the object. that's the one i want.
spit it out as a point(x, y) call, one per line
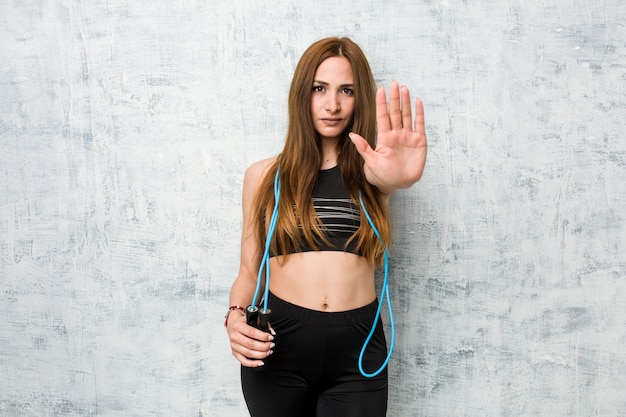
point(348, 91)
point(318, 88)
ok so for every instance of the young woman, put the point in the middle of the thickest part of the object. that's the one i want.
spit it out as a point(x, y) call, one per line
point(343, 144)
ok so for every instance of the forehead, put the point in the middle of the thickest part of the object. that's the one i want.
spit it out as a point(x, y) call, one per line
point(336, 69)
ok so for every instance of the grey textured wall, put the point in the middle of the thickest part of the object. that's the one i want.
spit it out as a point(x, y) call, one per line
point(125, 129)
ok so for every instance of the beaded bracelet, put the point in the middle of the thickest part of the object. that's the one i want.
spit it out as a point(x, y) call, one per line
point(230, 310)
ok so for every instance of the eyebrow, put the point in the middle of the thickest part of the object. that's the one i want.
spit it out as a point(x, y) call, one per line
point(324, 83)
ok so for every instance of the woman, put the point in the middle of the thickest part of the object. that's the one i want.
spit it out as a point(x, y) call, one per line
point(343, 143)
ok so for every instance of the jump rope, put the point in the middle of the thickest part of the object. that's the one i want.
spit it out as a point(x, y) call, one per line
point(259, 317)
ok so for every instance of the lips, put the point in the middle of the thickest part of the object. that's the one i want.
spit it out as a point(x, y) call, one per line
point(331, 121)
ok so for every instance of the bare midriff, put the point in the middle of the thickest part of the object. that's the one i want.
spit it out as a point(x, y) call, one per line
point(323, 281)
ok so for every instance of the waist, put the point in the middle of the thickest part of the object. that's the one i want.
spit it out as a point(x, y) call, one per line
point(323, 281)
point(281, 307)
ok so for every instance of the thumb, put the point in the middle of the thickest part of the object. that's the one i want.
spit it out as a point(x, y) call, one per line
point(362, 147)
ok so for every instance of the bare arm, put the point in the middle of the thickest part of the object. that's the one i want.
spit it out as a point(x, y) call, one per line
point(249, 345)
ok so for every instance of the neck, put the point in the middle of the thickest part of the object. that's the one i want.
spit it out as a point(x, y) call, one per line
point(329, 153)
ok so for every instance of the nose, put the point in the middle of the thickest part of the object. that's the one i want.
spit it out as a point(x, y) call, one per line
point(332, 103)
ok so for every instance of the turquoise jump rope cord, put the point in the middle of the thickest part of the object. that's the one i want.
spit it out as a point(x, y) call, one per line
point(265, 262)
point(384, 292)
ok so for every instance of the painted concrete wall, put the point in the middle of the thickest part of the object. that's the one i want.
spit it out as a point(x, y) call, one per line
point(125, 129)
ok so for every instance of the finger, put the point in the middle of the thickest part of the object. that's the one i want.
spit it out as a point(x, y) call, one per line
point(256, 350)
point(254, 334)
point(241, 327)
point(418, 124)
point(382, 115)
point(250, 348)
point(247, 362)
point(245, 337)
point(395, 115)
point(407, 118)
point(362, 147)
point(261, 335)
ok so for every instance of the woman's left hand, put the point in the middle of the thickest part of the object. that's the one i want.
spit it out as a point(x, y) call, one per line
point(400, 155)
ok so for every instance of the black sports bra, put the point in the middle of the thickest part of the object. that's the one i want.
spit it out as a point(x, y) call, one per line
point(337, 212)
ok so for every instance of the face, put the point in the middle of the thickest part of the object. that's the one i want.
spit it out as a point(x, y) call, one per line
point(332, 101)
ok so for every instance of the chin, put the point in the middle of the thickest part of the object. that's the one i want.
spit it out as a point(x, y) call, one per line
point(334, 134)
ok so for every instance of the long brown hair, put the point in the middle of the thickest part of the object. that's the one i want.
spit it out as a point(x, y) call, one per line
point(300, 161)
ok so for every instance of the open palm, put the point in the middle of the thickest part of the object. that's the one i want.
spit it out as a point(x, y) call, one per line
point(400, 155)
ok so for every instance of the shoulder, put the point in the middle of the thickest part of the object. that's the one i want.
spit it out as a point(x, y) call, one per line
point(256, 172)
point(259, 168)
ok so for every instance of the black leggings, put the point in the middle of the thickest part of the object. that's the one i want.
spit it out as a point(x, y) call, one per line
point(313, 371)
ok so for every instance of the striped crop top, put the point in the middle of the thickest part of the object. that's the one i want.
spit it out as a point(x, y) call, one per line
point(337, 212)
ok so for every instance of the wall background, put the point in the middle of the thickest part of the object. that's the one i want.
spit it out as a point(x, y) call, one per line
point(125, 130)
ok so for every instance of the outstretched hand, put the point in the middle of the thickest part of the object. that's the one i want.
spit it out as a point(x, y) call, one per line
point(400, 155)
